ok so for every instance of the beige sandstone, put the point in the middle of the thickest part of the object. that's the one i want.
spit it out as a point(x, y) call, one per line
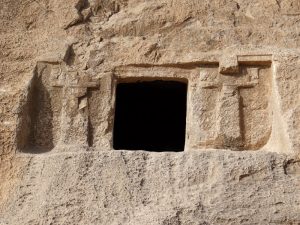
point(60, 63)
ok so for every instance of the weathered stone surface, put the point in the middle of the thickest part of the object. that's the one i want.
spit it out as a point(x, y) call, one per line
point(210, 187)
point(60, 63)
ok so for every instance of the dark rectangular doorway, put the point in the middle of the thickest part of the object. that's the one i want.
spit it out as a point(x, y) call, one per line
point(150, 115)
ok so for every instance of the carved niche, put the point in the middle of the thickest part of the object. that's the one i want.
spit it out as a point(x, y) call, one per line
point(59, 108)
point(229, 103)
point(234, 110)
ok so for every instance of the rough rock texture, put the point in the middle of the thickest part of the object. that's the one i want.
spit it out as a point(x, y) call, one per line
point(212, 187)
point(60, 63)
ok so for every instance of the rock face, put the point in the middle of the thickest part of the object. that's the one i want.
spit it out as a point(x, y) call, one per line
point(60, 65)
point(210, 187)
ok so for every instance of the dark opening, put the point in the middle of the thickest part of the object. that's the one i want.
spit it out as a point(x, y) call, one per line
point(150, 116)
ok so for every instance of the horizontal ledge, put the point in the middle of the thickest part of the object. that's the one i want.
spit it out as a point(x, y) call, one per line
point(264, 60)
point(183, 65)
point(259, 60)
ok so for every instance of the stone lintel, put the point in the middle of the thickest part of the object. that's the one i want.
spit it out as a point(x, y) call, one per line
point(229, 65)
point(259, 60)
